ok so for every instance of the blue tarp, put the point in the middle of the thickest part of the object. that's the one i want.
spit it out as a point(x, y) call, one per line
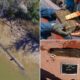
point(70, 4)
point(48, 13)
point(46, 26)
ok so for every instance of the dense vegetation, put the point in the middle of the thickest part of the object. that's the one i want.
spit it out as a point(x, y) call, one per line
point(34, 11)
point(28, 9)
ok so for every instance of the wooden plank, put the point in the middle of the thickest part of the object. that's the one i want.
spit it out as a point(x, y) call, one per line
point(72, 15)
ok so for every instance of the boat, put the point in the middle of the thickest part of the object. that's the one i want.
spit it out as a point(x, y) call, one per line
point(60, 60)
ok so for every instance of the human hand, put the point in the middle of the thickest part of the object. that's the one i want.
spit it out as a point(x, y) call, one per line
point(78, 24)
